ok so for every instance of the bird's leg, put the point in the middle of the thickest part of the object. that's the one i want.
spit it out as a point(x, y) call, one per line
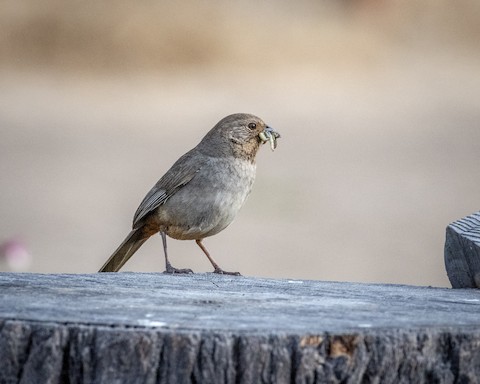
point(168, 266)
point(215, 265)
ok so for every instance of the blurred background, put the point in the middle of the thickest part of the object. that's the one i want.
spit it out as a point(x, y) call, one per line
point(378, 104)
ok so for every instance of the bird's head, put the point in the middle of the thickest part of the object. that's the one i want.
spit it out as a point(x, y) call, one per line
point(240, 134)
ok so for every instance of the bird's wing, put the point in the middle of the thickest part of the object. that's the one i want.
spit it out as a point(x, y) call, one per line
point(184, 169)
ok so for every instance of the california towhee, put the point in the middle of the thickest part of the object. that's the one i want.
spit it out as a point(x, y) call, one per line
point(202, 192)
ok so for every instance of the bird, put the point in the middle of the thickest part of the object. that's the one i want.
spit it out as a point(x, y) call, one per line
point(202, 192)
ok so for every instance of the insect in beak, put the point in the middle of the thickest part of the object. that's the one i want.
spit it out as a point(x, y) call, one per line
point(269, 134)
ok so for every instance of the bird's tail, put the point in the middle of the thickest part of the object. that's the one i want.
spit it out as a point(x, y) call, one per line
point(132, 242)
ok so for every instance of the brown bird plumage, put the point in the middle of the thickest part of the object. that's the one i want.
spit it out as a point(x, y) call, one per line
point(202, 192)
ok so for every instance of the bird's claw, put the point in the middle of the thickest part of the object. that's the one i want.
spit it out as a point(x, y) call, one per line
point(172, 270)
point(222, 272)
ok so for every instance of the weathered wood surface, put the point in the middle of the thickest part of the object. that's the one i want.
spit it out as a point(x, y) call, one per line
point(204, 328)
point(462, 252)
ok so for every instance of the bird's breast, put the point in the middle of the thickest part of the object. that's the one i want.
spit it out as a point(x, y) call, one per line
point(210, 201)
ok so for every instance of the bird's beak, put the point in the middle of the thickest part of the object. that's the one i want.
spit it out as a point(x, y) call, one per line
point(269, 134)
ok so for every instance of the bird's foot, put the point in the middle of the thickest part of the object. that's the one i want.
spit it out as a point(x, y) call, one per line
point(222, 272)
point(172, 270)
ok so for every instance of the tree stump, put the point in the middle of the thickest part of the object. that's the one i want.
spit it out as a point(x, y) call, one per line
point(462, 252)
point(205, 328)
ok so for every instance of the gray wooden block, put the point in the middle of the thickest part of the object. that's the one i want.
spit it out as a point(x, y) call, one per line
point(462, 252)
point(205, 328)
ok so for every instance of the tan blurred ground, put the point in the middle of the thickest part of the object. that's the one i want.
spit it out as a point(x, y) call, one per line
point(378, 103)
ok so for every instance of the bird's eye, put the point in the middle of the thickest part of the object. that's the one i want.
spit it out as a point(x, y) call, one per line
point(252, 125)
